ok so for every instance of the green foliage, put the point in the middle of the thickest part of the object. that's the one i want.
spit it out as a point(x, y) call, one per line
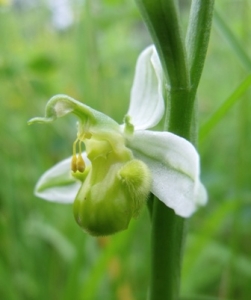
point(43, 253)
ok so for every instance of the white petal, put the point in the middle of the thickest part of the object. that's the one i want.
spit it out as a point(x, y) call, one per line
point(147, 104)
point(174, 164)
point(57, 184)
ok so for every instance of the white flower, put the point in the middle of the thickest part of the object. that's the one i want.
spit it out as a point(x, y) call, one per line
point(173, 161)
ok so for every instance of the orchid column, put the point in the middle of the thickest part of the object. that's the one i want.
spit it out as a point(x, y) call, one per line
point(182, 63)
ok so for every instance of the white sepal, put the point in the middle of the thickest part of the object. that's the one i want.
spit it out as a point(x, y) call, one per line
point(147, 104)
point(174, 164)
point(57, 184)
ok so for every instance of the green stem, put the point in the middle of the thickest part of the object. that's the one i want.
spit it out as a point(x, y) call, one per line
point(162, 19)
point(197, 37)
point(167, 241)
point(182, 107)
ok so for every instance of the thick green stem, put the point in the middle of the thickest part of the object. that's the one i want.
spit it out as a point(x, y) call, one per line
point(162, 19)
point(168, 229)
point(180, 118)
point(167, 241)
point(197, 37)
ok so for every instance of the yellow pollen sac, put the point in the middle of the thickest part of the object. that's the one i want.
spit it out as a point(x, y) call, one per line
point(80, 164)
point(77, 162)
point(74, 163)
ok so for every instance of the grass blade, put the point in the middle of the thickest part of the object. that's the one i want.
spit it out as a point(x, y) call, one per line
point(225, 107)
point(232, 40)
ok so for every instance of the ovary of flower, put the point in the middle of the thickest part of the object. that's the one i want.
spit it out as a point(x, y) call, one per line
point(172, 162)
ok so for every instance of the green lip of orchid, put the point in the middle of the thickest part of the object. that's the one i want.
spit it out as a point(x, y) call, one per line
point(168, 164)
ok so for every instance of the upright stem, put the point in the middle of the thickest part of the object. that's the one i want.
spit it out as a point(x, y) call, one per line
point(167, 241)
point(162, 19)
point(168, 229)
point(197, 37)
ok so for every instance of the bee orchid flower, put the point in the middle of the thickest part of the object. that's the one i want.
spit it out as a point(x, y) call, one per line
point(122, 164)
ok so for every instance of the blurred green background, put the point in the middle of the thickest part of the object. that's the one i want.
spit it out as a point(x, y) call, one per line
point(43, 253)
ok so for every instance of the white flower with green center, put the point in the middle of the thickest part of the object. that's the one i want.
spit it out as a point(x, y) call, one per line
point(122, 164)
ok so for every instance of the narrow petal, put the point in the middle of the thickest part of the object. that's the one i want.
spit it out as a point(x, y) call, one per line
point(174, 164)
point(57, 184)
point(147, 105)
